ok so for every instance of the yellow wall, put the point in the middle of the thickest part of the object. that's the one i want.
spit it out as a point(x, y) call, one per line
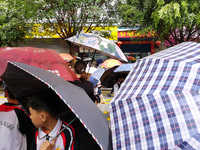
point(38, 32)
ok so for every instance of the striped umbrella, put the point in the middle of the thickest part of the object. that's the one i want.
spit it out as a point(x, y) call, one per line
point(158, 104)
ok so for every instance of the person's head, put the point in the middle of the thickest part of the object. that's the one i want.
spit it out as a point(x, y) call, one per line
point(79, 68)
point(119, 79)
point(9, 95)
point(42, 106)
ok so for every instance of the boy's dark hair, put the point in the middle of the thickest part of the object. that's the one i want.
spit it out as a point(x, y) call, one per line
point(46, 100)
point(10, 94)
point(80, 67)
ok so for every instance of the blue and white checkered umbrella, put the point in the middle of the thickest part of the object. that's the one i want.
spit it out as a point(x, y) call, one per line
point(95, 77)
point(158, 104)
point(124, 68)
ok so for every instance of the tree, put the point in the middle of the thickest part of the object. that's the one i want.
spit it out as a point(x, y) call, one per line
point(12, 23)
point(69, 17)
point(178, 19)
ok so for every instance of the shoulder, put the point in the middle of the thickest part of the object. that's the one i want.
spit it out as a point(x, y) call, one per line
point(8, 107)
point(89, 83)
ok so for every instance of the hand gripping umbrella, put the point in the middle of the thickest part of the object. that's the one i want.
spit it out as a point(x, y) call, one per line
point(98, 44)
point(47, 59)
point(158, 104)
point(24, 80)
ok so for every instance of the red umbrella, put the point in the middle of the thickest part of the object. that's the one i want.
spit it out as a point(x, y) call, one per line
point(47, 59)
point(2, 66)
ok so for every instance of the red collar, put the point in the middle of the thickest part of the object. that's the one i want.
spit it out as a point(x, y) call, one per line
point(7, 108)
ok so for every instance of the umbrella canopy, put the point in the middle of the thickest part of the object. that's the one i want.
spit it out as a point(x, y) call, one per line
point(67, 57)
point(157, 106)
point(131, 58)
point(47, 59)
point(108, 77)
point(95, 77)
point(109, 63)
point(3, 63)
point(124, 68)
point(99, 44)
point(24, 80)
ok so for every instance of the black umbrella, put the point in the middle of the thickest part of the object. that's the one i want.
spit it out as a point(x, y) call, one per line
point(109, 77)
point(25, 80)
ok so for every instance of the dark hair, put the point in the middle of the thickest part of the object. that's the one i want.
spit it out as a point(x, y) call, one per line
point(80, 67)
point(46, 100)
point(10, 94)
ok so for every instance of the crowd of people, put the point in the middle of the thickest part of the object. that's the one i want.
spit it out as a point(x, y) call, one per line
point(37, 128)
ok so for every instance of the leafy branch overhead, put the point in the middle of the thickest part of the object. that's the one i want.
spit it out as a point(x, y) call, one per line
point(64, 18)
point(12, 24)
point(173, 20)
point(69, 17)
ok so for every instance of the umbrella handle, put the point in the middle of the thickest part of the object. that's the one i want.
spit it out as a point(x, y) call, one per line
point(65, 127)
point(92, 61)
point(93, 56)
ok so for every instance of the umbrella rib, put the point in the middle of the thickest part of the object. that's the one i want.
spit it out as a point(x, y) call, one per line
point(65, 127)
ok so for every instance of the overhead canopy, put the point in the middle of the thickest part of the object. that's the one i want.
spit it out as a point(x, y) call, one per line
point(99, 44)
point(157, 106)
point(25, 80)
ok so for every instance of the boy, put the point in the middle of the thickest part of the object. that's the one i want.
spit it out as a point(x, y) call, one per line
point(118, 84)
point(15, 125)
point(43, 110)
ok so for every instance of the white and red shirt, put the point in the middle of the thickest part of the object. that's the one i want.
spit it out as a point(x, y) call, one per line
point(64, 141)
point(16, 128)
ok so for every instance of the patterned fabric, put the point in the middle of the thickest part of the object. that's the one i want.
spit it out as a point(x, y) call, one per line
point(192, 143)
point(99, 44)
point(158, 104)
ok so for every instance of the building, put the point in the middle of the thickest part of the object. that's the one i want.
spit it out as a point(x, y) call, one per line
point(131, 42)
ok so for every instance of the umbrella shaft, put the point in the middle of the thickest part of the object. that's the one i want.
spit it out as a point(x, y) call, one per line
point(65, 127)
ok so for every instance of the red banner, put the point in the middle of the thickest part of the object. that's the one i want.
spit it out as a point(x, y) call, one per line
point(132, 34)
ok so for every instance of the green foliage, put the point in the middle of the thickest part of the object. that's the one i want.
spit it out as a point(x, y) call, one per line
point(12, 23)
point(69, 17)
point(176, 18)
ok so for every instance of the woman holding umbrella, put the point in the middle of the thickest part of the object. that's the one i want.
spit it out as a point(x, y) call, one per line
point(80, 71)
